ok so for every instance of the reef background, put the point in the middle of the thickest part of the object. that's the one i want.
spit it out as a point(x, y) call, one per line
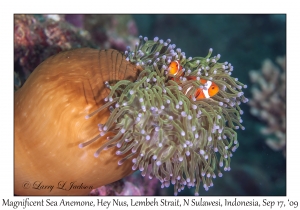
point(243, 40)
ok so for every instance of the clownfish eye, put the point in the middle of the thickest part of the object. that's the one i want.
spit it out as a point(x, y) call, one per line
point(213, 87)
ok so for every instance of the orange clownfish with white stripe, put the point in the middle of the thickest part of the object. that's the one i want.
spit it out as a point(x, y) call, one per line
point(208, 91)
point(175, 69)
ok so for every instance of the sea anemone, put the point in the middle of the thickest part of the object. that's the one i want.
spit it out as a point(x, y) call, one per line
point(49, 123)
point(156, 121)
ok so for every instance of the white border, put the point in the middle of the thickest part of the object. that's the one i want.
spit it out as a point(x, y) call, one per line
point(217, 6)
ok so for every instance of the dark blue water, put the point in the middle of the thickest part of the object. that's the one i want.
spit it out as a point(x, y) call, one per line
point(245, 41)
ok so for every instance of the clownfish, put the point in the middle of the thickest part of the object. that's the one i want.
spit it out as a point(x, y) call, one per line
point(175, 69)
point(210, 90)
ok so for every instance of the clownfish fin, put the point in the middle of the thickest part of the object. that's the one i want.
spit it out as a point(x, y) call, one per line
point(199, 94)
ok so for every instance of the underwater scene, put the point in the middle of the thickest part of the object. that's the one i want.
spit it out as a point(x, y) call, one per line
point(150, 105)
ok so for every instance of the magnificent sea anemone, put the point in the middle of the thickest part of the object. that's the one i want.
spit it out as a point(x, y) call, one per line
point(49, 123)
point(160, 122)
point(126, 112)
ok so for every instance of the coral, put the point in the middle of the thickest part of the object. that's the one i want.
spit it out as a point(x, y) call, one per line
point(159, 122)
point(146, 185)
point(17, 81)
point(76, 20)
point(131, 185)
point(37, 37)
point(115, 188)
point(111, 31)
point(269, 101)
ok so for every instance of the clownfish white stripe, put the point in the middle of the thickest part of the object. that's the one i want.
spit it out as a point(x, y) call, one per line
point(205, 91)
point(177, 67)
point(188, 90)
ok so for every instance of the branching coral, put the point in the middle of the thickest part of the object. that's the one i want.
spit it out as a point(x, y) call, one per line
point(269, 101)
point(160, 123)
